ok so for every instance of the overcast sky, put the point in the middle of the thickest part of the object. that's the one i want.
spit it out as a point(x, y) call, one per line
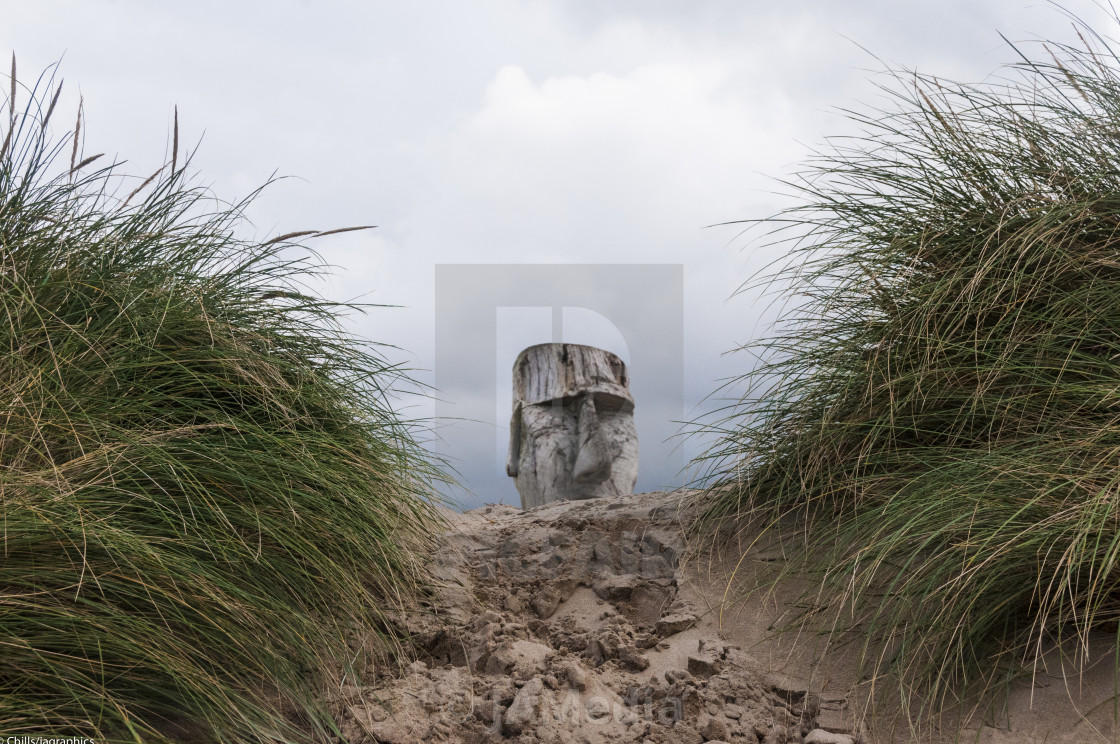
point(508, 132)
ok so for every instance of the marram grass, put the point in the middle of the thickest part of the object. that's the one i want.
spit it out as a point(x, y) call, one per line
point(939, 414)
point(208, 509)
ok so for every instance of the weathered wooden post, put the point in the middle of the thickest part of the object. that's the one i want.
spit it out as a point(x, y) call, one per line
point(572, 433)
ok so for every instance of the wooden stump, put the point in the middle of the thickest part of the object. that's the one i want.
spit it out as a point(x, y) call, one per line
point(572, 433)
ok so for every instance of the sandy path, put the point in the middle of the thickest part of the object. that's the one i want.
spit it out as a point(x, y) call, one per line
point(574, 623)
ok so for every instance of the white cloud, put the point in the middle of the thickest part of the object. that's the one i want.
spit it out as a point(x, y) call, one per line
point(599, 167)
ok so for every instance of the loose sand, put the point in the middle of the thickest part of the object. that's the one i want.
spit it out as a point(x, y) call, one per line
point(576, 623)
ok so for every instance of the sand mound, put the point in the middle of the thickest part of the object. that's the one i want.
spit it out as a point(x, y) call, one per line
point(568, 624)
point(574, 623)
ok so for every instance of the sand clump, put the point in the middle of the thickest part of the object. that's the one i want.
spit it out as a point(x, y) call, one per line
point(570, 623)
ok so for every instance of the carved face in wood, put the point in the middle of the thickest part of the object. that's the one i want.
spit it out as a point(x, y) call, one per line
point(572, 435)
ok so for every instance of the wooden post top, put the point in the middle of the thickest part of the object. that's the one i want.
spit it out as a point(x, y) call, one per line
point(547, 372)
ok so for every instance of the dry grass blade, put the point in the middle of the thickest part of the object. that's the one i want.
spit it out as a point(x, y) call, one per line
point(316, 233)
point(141, 187)
point(175, 140)
point(343, 230)
point(50, 109)
point(291, 236)
point(77, 135)
point(11, 112)
point(86, 161)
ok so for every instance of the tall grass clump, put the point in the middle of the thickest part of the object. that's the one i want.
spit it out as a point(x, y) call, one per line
point(208, 508)
point(939, 414)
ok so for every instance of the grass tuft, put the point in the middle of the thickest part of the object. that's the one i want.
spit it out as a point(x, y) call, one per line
point(209, 511)
point(939, 412)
